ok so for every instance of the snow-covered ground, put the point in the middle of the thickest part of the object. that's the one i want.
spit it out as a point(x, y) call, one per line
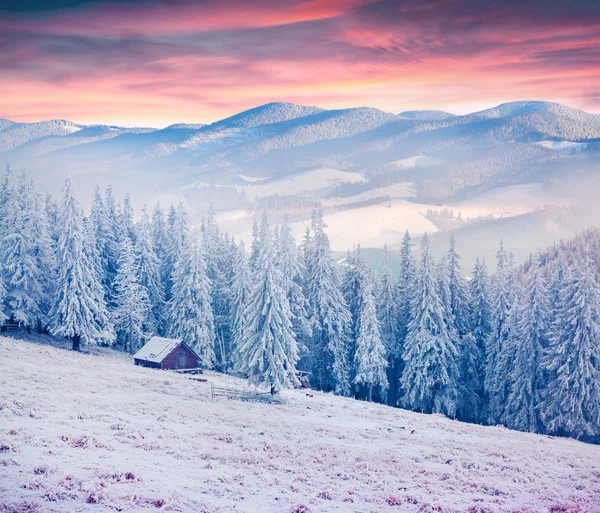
point(315, 181)
point(81, 432)
point(566, 147)
point(374, 225)
point(417, 161)
point(394, 191)
point(508, 201)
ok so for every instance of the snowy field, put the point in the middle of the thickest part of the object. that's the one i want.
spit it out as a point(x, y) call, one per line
point(317, 180)
point(82, 432)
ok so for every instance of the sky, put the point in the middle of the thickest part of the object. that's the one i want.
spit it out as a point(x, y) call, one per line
point(157, 62)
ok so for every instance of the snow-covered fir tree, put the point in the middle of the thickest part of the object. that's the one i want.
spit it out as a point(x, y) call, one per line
point(404, 292)
point(370, 355)
point(217, 253)
point(79, 311)
point(498, 348)
point(241, 287)
point(459, 291)
point(190, 310)
point(132, 305)
point(127, 219)
point(473, 365)
point(106, 240)
point(292, 266)
point(27, 276)
point(332, 320)
point(149, 274)
point(159, 242)
point(430, 380)
point(177, 232)
point(571, 404)
point(530, 340)
point(355, 277)
point(387, 309)
point(269, 351)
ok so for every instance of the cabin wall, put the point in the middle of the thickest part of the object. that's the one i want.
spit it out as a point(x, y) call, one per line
point(146, 363)
point(172, 360)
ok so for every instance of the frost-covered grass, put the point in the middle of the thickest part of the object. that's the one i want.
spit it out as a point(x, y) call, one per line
point(81, 432)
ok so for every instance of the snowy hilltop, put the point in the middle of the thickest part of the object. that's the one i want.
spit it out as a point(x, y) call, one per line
point(92, 432)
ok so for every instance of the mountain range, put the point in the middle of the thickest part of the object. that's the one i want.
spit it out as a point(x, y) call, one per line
point(288, 158)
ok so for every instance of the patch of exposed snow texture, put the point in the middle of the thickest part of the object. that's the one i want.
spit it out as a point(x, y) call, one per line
point(566, 147)
point(417, 161)
point(310, 181)
point(94, 433)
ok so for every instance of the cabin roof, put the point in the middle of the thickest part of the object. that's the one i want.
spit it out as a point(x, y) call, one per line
point(157, 349)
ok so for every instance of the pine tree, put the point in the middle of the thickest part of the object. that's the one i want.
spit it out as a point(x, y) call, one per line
point(254, 246)
point(526, 377)
point(430, 376)
point(127, 219)
point(370, 356)
point(571, 403)
point(356, 275)
point(240, 294)
point(25, 280)
point(473, 361)
point(292, 267)
point(149, 274)
point(405, 294)
point(37, 230)
point(190, 310)
point(459, 292)
point(159, 241)
point(131, 300)
point(497, 348)
point(387, 309)
point(176, 239)
point(79, 311)
point(216, 251)
point(269, 351)
point(332, 320)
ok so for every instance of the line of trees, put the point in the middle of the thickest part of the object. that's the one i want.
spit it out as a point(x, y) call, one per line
point(520, 347)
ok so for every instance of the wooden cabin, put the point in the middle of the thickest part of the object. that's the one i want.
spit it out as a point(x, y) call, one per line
point(166, 353)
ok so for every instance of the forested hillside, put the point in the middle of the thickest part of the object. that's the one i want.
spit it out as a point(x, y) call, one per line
point(520, 346)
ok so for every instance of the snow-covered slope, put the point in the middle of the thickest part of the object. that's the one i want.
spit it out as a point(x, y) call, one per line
point(80, 432)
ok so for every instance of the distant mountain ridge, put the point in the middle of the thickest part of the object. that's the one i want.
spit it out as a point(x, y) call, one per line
point(475, 152)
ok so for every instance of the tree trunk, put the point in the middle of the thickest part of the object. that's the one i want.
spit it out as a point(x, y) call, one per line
point(273, 391)
point(370, 393)
point(76, 339)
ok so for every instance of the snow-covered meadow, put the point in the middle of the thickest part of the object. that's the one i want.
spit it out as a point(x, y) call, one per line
point(92, 432)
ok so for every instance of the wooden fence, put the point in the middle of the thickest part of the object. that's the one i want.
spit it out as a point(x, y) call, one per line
point(244, 395)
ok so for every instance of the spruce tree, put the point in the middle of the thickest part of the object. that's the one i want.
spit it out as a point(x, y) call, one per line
point(370, 356)
point(332, 320)
point(149, 274)
point(291, 264)
point(190, 311)
point(132, 305)
point(430, 380)
point(473, 361)
point(405, 293)
point(79, 311)
point(387, 308)
point(497, 347)
point(571, 404)
point(269, 351)
point(240, 293)
point(106, 241)
point(25, 277)
point(177, 232)
point(459, 292)
point(526, 378)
